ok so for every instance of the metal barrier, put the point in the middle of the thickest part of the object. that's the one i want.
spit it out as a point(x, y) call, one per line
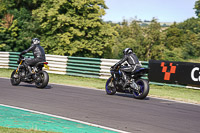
point(57, 63)
point(82, 66)
point(68, 65)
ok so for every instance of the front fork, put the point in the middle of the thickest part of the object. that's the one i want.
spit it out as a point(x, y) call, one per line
point(18, 67)
point(112, 82)
point(16, 71)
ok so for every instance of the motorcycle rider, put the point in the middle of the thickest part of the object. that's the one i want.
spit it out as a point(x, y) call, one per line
point(133, 64)
point(38, 52)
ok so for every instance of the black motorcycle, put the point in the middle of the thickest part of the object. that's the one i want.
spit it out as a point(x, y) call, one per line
point(39, 77)
point(138, 87)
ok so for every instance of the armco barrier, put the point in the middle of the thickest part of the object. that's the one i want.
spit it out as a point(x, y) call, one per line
point(74, 66)
point(87, 67)
point(68, 65)
point(57, 63)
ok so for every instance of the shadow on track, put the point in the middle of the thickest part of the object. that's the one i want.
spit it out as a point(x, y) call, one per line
point(33, 86)
point(129, 96)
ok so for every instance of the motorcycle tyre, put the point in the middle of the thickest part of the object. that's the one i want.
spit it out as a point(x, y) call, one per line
point(145, 89)
point(13, 80)
point(108, 91)
point(45, 80)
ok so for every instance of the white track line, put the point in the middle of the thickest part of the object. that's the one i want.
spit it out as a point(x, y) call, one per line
point(65, 118)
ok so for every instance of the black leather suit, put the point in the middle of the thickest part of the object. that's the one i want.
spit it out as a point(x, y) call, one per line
point(133, 62)
point(38, 52)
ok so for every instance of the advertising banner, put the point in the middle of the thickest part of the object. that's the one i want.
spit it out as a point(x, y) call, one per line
point(174, 72)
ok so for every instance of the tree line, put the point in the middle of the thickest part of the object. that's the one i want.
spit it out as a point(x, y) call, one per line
point(76, 28)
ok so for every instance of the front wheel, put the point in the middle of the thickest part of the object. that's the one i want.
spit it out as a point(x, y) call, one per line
point(15, 79)
point(42, 79)
point(143, 89)
point(110, 88)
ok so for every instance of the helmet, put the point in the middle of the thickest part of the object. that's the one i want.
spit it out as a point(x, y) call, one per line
point(35, 41)
point(127, 51)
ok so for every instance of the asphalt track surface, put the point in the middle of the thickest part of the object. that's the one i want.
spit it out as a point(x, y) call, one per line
point(119, 111)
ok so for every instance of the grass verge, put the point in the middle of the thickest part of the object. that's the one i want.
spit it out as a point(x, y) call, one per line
point(173, 93)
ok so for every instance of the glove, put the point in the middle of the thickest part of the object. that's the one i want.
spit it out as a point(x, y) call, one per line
point(20, 55)
point(111, 68)
point(114, 67)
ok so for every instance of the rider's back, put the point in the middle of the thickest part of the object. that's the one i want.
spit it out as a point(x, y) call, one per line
point(38, 52)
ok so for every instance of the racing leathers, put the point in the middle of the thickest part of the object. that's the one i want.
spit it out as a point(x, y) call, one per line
point(133, 62)
point(39, 55)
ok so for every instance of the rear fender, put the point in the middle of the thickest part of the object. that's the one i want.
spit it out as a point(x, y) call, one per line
point(41, 64)
point(140, 72)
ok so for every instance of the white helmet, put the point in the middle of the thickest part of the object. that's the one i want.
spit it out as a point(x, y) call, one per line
point(127, 51)
point(35, 41)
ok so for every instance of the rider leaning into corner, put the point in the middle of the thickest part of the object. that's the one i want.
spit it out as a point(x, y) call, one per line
point(133, 64)
point(38, 52)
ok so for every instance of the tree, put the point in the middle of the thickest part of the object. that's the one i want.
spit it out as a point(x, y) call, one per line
point(197, 8)
point(17, 27)
point(182, 40)
point(191, 24)
point(152, 34)
point(8, 37)
point(2, 8)
point(74, 27)
point(17, 4)
point(174, 37)
point(130, 35)
point(145, 41)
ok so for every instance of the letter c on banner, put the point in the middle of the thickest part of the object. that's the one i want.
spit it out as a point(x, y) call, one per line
point(192, 74)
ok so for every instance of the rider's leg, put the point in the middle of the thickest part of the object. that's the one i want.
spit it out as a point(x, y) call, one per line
point(33, 62)
point(125, 78)
point(28, 64)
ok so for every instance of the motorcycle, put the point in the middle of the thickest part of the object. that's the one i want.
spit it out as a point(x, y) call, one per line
point(137, 86)
point(40, 77)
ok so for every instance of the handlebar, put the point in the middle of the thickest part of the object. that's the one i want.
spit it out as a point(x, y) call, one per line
point(21, 57)
point(112, 68)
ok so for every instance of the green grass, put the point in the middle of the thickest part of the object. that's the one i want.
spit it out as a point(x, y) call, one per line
point(195, 60)
point(77, 81)
point(174, 93)
point(19, 130)
point(65, 79)
point(5, 72)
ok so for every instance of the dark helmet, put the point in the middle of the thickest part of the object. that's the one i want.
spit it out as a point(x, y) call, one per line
point(127, 51)
point(35, 41)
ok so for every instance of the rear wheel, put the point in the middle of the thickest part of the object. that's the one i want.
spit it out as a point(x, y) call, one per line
point(143, 89)
point(15, 78)
point(110, 88)
point(42, 79)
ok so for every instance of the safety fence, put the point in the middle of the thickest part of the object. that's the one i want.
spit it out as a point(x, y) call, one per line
point(68, 65)
point(74, 66)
